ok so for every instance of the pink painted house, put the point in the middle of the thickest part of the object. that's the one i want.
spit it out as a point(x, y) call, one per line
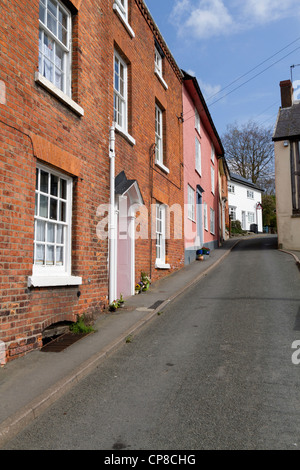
point(202, 149)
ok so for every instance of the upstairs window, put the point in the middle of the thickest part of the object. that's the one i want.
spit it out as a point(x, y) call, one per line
point(159, 157)
point(212, 155)
point(120, 92)
point(55, 44)
point(198, 156)
point(250, 194)
point(158, 63)
point(212, 176)
point(231, 188)
point(123, 6)
point(197, 121)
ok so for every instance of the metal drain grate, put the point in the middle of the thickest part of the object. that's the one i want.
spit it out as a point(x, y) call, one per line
point(62, 342)
point(157, 304)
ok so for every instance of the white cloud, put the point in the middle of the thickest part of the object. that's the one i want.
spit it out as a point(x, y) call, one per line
point(209, 18)
point(203, 19)
point(191, 72)
point(265, 11)
point(208, 90)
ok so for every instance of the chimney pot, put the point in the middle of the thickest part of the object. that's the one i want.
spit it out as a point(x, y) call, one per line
point(286, 88)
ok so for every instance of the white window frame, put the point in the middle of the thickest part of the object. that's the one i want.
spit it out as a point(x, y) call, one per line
point(197, 121)
point(212, 155)
point(205, 216)
point(159, 139)
point(232, 212)
point(251, 217)
point(120, 114)
point(160, 230)
point(198, 155)
point(158, 67)
point(158, 62)
point(159, 144)
point(191, 203)
point(231, 188)
point(212, 176)
point(250, 194)
point(121, 8)
point(51, 273)
point(212, 221)
point(120, 93)
point(55, 43)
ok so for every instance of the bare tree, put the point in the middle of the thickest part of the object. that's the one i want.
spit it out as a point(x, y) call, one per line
point(249, 151)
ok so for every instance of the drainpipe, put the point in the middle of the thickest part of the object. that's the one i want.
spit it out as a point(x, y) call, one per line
point(112, 223)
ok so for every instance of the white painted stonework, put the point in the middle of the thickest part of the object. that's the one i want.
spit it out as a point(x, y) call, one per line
point(245, 203)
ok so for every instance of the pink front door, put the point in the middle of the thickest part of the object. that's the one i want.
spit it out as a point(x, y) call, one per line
point(124, 255)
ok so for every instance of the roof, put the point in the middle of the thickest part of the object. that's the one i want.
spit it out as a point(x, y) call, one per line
point(204, 113)
point(123, 185)
point(288, 123)
point(241, 180)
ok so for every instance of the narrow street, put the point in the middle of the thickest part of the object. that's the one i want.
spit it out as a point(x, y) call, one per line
point(213, 371)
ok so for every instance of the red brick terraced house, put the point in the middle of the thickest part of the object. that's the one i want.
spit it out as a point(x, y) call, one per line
point(90, 103)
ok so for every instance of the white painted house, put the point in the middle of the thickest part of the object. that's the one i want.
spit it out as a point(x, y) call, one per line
point(244, 202)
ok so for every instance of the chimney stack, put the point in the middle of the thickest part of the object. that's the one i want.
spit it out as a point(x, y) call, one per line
point(286, 88)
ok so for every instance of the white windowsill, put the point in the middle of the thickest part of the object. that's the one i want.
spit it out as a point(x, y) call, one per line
point(160, 265)
point(124, 21)
point(47, 281)
point(125, 134)
point(58, 93)
point(161, 79)
point(162, 166)
point(199, 172)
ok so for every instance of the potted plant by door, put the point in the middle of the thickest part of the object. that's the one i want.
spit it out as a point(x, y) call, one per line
point(121, 301)
point(113, 306)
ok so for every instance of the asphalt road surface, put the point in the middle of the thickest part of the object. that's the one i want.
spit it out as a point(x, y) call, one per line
point(213, 371)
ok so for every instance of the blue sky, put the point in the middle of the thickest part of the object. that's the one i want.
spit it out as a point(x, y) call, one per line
point(225, 41)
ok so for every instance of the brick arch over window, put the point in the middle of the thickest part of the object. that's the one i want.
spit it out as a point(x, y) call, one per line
point(58, 318)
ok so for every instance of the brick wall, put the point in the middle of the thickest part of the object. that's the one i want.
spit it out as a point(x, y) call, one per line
point(37, 126)
point(138, 161)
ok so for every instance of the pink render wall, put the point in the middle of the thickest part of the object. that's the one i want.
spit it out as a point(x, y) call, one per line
point(192, 177)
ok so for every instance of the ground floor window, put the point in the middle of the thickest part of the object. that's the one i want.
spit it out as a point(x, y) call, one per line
point(191, 203)
point(52, 224)
point(251, 217)
point(295, 175)
point(232, 212)
point(161, 236)
point(212, 221)
point(205, 216)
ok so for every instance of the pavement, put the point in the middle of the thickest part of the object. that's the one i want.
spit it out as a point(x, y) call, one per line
point(30, 384)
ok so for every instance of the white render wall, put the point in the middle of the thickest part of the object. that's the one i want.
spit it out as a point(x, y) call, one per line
point(244, 204)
